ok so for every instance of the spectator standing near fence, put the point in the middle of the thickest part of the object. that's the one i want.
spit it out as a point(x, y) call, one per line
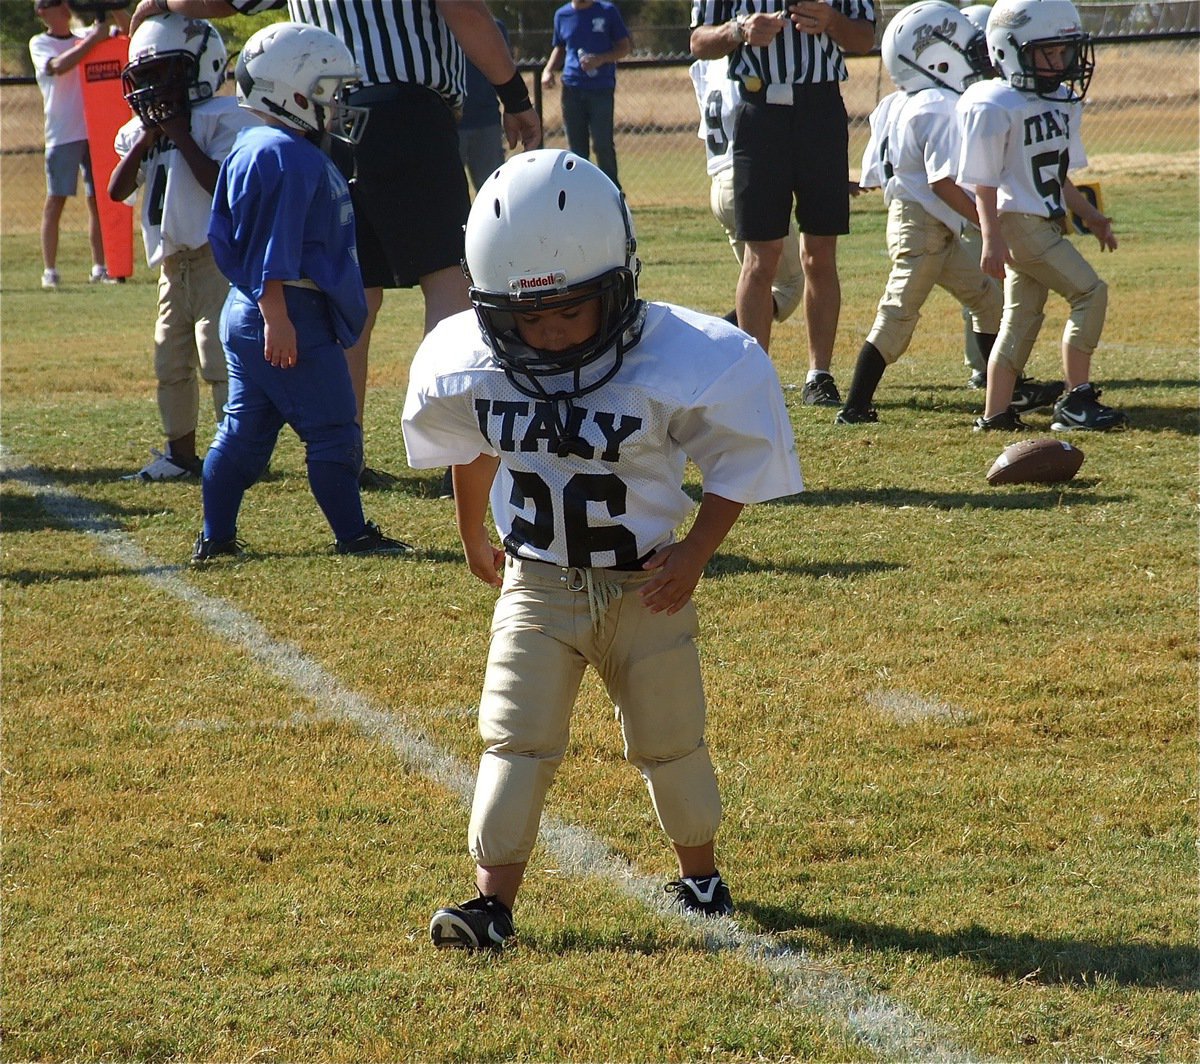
point(56, 56)
point(589, 40)
point(790, 152)
point(480, 132)
point(410, 191)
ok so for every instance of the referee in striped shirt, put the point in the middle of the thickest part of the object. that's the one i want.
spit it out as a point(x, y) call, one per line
point(790, 148)
point(409, 188)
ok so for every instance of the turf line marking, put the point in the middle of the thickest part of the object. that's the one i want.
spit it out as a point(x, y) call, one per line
point(906, 707)
point(886, 1027)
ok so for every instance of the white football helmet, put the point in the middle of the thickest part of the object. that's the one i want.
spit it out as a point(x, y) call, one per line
point(933, 43)
point(549, 228)
point(300, 75)
point(174, 62)
point(978, 15)
point(1017, 28)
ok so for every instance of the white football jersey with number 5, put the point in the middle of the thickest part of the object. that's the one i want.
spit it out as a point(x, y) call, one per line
point(1021, 144)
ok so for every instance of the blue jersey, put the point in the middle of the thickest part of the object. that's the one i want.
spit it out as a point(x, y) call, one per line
point(593, 29)
point(281, 212)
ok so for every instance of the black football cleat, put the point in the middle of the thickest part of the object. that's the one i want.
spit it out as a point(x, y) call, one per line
point(848, 415)
point(1005, 421)
point(707, 895)
point(1081, 410)
point(1029, 394)
point(372, 541)
point(205, 549)
point(482, 923)
point(821, 392)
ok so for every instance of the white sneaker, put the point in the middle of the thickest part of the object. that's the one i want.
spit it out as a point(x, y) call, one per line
point(100, 276)
point(160, 467)
point(49, 279)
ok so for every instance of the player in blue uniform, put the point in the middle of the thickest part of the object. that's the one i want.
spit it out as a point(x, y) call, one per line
point(282, 231)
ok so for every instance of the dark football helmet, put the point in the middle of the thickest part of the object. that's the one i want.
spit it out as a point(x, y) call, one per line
point(174, 62)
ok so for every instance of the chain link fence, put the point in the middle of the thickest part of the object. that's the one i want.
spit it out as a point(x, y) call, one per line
point(1142, 111)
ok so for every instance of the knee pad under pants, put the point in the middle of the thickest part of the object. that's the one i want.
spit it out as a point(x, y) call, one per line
point(543, 637)
point(1044, 261)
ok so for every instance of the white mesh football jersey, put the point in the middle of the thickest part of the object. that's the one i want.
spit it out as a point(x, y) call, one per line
point(915, 143)
point(1019, 143)
point(716, 96)
point(693, 387)
point(875, 163)
point(175, 207)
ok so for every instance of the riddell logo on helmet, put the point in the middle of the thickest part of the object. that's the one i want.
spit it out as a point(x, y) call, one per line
point(538, 282)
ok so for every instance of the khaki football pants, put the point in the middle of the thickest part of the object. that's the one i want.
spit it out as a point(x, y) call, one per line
point(1045, 260)
point(549, 624)
point(191, 293)
point(926, 252)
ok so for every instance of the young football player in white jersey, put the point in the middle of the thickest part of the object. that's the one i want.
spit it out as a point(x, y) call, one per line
point(932, 52)
point(716, 96)
point(1021, 136)
point(575, 412)
point(172, 148)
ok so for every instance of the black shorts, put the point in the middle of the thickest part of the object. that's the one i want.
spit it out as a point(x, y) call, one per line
point(784, 154)
point(408, 187)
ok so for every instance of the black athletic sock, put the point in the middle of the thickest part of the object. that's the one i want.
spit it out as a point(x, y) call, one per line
point(731, 317)
point(985, 341)
point(868, 371)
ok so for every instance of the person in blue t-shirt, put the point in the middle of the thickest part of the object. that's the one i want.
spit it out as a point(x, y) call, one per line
point(282, 231)
point(589, 39)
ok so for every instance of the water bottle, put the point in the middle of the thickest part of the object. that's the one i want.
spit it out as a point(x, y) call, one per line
point(590, 73)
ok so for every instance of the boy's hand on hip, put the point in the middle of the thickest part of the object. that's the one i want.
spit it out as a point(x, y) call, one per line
point(677, 570)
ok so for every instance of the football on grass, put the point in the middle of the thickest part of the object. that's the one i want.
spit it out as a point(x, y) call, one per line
point(1046, 461)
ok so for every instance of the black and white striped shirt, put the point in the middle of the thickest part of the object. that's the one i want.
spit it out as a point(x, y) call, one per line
point(793, 58)
point(392, 40)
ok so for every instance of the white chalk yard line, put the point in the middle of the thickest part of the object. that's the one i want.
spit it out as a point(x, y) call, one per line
point(886, 1027)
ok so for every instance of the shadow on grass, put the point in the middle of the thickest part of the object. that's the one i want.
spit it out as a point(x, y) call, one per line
point(1025, 958)
point(1184, 420)
point(1005, 498)
point(737, 565)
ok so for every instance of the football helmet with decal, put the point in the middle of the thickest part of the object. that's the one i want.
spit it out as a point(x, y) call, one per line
point(549, 230)
point(174, 62)
point(932, 43)
point(301, 76)
point(1018, 31)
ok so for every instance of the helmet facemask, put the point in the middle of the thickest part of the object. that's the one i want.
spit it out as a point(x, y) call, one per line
point(549, 231)
point(1076, 73)
point(538, 372)
point(159, 88)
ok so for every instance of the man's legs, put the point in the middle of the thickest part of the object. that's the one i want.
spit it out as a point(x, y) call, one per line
point(95, 235)
point(755, 306)
point(822, 297)
point(51, 216)
point(445, 293)
point(356, 356)
point(600, 108)
point(575, 121)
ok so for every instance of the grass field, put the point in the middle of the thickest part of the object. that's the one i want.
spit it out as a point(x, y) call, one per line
point(954, 726)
